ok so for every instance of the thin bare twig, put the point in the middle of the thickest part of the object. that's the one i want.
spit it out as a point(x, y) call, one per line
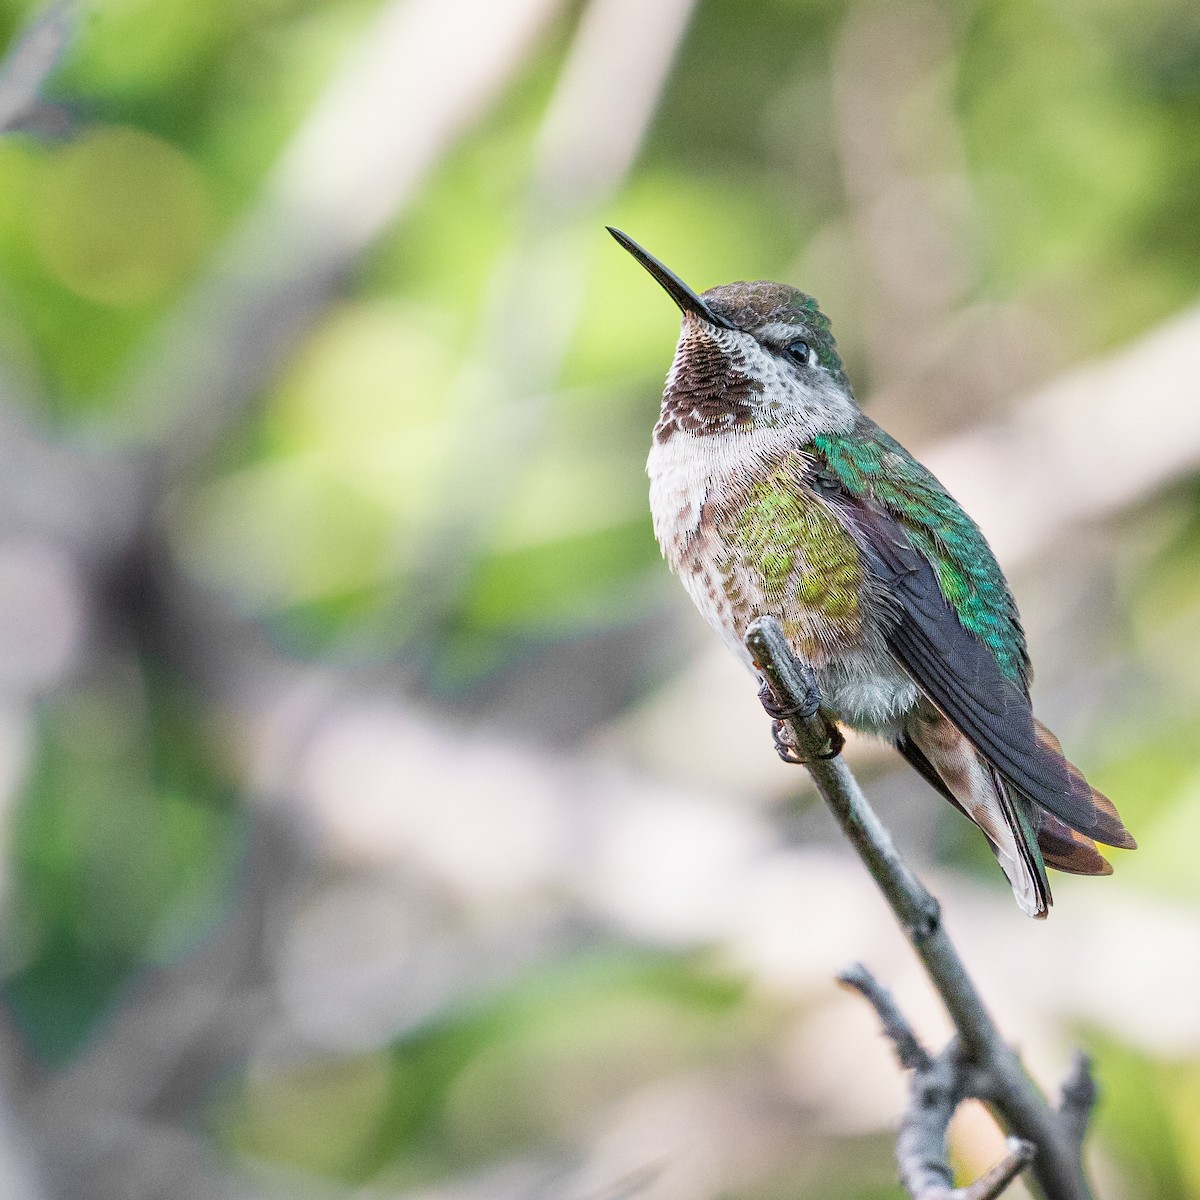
point(938, 1086)
point(935, 1092)
point(912, 1055)
point(998, 1076)
point(1020, 1155)
point(1078, 1095)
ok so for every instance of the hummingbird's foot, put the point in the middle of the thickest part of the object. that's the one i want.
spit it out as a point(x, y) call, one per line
point(781, 735)
point(781, 729)
point(778, 711)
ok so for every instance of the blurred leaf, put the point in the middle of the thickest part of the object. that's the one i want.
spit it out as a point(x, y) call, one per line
point(122, 217)
point(1147, 1118)
point(523, 1067)
point(564, 582)
point(125, 852)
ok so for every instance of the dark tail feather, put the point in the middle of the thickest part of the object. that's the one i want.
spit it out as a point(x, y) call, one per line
point(1006, 818)
point(1108, 827)
point(1065, 850)
point(1062, 847)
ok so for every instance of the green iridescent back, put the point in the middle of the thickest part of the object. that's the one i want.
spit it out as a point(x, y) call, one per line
point(872, 465)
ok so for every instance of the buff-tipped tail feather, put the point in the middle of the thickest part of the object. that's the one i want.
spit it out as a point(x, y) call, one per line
point(1107, 827)
point(1024, 836)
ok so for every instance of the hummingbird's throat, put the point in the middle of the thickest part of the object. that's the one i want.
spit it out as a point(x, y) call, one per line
point(708, 390)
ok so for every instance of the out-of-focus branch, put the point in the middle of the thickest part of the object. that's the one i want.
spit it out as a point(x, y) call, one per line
point(384, 121)
point(1034, 473)
point(398, 104)
point(997, 1074)
point(1078, 1095)
point(938, 1086)
point(1031, 477)
point(26, 68)
point(908, 201)
point(585, 147)
point(352, 166)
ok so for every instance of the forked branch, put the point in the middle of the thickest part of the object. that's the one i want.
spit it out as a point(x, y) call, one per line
point(937, 1087)
point(978, 1063)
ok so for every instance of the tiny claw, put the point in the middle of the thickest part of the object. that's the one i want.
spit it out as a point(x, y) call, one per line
point(780, 730)
point(784, 748)
point(806, 709)
point(837, 741)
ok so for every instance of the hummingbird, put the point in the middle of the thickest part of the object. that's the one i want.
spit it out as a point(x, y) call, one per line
point(773, 494)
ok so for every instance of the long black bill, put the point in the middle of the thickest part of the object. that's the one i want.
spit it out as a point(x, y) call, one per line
point(679, 291)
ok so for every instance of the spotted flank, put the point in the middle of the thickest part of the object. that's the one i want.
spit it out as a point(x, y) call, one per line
point(786, 554)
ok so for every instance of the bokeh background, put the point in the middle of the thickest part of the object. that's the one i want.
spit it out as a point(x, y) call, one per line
point(378, 818)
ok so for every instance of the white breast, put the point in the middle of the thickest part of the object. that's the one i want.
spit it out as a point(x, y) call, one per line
point(685, 471)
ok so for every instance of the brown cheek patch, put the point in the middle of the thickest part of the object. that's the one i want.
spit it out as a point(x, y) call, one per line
point(708, 392)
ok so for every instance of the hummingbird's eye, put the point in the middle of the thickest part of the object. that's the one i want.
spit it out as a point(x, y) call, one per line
point(798, 351)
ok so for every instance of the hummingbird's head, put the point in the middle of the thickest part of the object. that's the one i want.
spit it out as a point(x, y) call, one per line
point(750, 355)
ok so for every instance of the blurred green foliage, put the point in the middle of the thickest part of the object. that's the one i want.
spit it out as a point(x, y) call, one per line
point(125, 856)
point(561, 1043)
